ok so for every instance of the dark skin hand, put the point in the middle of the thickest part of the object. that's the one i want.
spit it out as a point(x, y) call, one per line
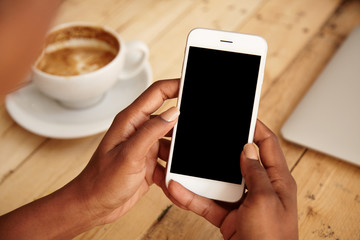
point(125, 165)
point(119, 173)
point(269, 209)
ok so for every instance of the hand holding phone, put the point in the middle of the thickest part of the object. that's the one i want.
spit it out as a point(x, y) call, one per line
point(269, 210)
point(221, 82)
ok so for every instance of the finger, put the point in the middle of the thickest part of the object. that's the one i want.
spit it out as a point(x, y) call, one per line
point(270, 150)
point(164, 149)
point(136, 114)
point(204, 207)
point(228, 227)
point(169, 134)
point(256, 178)
point(159, 179)
point(149, 133)
point(275, 164)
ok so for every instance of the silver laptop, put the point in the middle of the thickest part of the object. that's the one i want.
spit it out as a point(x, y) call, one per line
point(328, 117)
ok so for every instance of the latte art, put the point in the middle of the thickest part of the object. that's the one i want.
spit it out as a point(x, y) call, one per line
point(72, 61)
point(77, 50)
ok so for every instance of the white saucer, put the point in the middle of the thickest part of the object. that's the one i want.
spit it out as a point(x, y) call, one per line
point(44, 116)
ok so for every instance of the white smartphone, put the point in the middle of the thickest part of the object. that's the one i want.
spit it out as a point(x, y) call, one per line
point(218, 100)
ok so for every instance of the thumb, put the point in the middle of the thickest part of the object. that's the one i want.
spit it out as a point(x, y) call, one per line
point(152, 130)
point(254, 173)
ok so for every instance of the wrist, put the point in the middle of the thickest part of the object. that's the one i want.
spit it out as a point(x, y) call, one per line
point(60, 215)
point(69, 215)
point(86, 202)
point(79, 203)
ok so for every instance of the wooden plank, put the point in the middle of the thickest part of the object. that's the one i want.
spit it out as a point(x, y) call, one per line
point(16, 145)
point(279, 101)
point(167, 52)
point(328, 198)
point(152, 23)
point(179, 224)
point(287, 26)
point(329, 189)
point(138, 19)
point(5, 119)
point(94, 11)
point(280, 28)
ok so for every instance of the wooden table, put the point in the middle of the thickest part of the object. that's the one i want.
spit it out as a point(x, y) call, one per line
point(302, 36)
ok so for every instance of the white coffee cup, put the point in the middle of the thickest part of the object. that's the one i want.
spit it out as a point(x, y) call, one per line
point(87, 89)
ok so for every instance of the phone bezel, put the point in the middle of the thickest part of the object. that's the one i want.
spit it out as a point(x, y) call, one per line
point(222, 41)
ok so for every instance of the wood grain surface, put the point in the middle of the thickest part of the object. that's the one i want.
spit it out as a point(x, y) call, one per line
point(302, 36)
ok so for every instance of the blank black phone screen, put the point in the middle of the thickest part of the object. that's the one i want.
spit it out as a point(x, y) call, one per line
point(215, 114)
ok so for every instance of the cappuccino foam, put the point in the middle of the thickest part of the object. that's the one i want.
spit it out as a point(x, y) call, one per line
point(72, 61)
point(77, 50)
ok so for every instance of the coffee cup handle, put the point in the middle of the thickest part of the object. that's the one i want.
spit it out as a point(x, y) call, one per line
point(136, 54)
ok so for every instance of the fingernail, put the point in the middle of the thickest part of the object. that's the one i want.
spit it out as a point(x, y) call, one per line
point(171, 114)
point(250, 152)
